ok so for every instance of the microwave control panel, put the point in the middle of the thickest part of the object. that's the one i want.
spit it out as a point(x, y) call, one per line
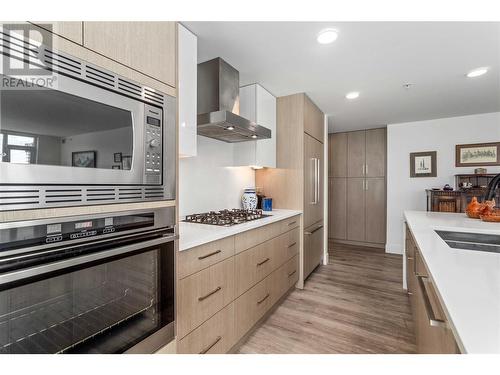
point(153, 148)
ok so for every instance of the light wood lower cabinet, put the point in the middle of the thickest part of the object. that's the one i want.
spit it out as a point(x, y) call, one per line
point(204, 256)
point(252, 305)
point(237, 280)
point(215, 336)
point(203, 294)
point(313, 248)
point(432, 329)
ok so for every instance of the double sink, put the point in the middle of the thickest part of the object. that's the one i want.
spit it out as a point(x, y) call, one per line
point(471, 241)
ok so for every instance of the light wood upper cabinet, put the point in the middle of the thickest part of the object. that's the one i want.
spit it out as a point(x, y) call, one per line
point(314, 120)
point(356, 209)
point(148, 47)
point(356, 153)
point(375, 153)
point(72, 30)
point(375, 210)
point(257, 105)
point(313, 180)
point(337, 208)
point(337, 151)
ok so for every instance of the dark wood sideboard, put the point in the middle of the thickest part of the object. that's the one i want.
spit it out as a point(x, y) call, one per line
point(458, 199)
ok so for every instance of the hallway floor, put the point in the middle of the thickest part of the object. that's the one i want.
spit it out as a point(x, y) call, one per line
point(355, 304)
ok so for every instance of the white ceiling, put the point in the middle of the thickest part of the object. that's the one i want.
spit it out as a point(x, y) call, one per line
point(374, 58)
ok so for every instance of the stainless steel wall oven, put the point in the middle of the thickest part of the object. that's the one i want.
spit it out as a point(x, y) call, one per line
point(80, 134)
point(99, 284)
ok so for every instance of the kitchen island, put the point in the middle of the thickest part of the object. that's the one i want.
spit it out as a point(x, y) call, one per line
point(467, 282)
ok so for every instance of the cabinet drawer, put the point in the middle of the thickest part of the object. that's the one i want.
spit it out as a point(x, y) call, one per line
point(290, 242)
point(215, 336)
point(251, 238)
point(203, 294)
point(255, 264)
point(290, 223)
point(195, 259)
point(410, 243)
point(420, 268)
point(252, 305)
point(286, 277)
point(433, 334)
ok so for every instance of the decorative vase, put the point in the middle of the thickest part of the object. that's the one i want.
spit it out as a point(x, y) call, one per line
point(249, 199)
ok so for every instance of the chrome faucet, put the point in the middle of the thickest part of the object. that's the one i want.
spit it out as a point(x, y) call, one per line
point(492, 188)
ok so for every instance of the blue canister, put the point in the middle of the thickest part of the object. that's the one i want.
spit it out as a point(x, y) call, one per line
point(267, 204)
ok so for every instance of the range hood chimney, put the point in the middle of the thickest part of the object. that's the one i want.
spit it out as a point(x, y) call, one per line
point(219, 105)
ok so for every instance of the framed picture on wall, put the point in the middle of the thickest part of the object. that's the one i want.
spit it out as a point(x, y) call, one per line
point(83, 159)
point(423, 164)
point(477, 155)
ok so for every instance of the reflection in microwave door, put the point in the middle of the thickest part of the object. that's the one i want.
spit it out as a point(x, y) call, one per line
point(83, 159)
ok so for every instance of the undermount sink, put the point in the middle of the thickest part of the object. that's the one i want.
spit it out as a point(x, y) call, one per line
point(471, 241)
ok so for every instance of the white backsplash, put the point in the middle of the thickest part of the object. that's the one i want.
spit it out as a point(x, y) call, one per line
point(206, 182)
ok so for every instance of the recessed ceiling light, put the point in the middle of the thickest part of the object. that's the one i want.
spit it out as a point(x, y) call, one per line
point(477, 72)
point(254, 136)
point(352, 95)
point(327, 36)
point(230, 128)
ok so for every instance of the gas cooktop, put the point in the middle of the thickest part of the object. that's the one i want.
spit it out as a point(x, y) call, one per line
point(225, 218)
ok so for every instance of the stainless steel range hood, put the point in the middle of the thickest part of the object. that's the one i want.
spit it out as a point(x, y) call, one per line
point(219, 105)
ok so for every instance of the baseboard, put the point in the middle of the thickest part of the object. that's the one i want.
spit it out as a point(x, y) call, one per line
point(358, 243)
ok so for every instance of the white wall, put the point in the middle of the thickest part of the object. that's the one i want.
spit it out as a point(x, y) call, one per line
point(105, 143)
point(207, 183)
point(441, 135)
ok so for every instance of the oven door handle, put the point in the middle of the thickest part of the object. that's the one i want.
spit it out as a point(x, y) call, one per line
point(25, 273)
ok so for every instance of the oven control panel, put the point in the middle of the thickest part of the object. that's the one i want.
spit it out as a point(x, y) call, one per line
point(79, 230)
point(153, 137)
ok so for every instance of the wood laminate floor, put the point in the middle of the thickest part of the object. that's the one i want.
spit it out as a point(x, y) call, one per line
point(355, 304)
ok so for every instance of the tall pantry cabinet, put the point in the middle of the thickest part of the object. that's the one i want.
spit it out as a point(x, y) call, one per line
point(357, 187)
point(297, 180)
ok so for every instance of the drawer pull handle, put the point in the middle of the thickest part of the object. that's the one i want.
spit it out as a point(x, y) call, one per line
point(433, 321)
point(292, 273)
point(314, 230)
point(410, 258)
point(209, 294)
point(410, 293)
point(209, 255)
point(264, 261)
point(263, 299)
point(295, 243)
point(204, 351)
point(293, 222)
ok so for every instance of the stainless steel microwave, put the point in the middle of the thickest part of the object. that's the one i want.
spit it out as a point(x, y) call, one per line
point(72, 133)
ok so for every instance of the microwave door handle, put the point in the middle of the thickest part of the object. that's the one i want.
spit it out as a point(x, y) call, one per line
point(25, 273)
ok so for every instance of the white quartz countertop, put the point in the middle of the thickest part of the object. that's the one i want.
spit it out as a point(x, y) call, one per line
point(191, 234)
point(468, 281)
